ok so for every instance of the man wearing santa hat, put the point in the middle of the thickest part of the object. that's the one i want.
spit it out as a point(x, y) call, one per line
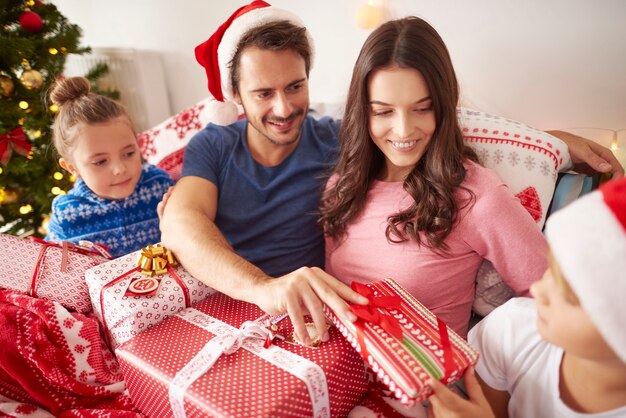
point(244, 212)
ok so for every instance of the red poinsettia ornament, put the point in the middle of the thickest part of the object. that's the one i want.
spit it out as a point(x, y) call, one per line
point(31, 21)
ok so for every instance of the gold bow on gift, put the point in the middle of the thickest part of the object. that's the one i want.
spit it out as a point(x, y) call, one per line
point(154, 259)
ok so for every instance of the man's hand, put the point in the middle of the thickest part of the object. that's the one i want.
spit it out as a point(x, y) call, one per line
point(303, 292)
point(447, 404)
point(590, 157)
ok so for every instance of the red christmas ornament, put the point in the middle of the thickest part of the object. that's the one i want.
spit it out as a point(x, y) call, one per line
point(31, 22)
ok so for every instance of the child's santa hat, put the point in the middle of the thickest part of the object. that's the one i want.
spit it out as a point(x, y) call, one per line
point(588, 240)
point(218, 51)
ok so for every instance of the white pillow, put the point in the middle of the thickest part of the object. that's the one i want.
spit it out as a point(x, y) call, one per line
point(528, 161)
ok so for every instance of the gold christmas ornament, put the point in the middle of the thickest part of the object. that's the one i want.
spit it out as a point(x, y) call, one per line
point(8, 196)
point(6, 85)
point(31, 79)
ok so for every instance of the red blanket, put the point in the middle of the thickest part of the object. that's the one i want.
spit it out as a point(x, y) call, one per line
point(54, 363)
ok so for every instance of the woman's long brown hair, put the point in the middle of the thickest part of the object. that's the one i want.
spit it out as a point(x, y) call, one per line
point(408, 43)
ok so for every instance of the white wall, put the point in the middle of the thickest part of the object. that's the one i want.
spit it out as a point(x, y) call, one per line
point(550, 63)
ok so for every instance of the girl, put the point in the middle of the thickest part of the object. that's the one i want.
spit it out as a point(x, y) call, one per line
point(407, 198)
point(115, 197)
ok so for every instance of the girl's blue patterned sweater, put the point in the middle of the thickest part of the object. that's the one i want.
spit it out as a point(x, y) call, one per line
point(123, 225)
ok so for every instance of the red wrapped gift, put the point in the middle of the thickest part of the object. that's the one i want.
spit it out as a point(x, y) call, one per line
point(178, 368)
point(127, 301)
point(55, 271)
point(403, 342)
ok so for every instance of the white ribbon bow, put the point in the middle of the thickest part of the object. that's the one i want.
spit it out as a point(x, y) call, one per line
point(233, 342)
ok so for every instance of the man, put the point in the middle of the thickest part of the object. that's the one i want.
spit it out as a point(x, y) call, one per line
point(242, 218)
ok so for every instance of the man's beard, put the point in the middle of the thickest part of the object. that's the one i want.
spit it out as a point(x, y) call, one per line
point(279, 120)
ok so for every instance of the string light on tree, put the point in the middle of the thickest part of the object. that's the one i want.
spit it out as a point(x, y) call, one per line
point(56, 190)
point(26, 209)
point(57, 176)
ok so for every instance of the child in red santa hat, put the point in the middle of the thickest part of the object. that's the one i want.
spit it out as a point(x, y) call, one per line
point(562, 354)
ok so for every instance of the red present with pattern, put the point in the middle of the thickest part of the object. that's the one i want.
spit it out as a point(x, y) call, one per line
point(180, 367)
point(403, 342)
point(125, 315)
point(47, 270)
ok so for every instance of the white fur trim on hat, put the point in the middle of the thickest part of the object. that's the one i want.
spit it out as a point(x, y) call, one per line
point(252, 19)
point(589, 243)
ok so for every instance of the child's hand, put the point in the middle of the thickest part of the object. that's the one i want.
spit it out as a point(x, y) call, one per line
point(446, 404)
point(163, 202)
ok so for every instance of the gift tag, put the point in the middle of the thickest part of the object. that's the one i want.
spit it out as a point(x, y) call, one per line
point(143, 286)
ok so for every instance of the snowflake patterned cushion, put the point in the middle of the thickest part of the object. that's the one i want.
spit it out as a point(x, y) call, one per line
point(127, 301)
point(403, 342)
point(217, 359)
point(528, 161)
point(55, 271)
point(164, 144)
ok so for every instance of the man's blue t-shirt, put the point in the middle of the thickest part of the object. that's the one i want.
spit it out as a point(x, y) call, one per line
point(267, 214)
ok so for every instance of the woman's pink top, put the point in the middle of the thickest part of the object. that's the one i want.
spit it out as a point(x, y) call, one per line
point(496, 228)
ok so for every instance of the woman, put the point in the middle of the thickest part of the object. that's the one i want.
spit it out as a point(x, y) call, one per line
point(407, 198)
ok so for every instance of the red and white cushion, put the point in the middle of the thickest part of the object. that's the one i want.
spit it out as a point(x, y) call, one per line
point(164, 144)
point(528, 161)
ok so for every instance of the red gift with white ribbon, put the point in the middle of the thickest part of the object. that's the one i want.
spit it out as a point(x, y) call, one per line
point(54, 271)
point(125, 314)
point(211, 360)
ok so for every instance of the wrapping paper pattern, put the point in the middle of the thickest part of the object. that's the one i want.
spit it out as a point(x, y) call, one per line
point(24, 260)
point(239, 384)
point(126, 316)
point(405, 365)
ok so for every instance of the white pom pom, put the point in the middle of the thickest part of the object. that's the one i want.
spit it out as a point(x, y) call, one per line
point(220, 113)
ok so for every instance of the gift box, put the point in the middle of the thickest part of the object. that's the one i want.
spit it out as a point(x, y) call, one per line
point(129, 298)
point(403, 342)
point(212, 360)
point(55, 271)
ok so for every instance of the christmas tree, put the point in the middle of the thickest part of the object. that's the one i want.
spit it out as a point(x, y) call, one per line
point(35, 39)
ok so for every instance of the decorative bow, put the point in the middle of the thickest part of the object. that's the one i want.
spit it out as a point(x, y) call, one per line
point(247, 330)
point(14, 140)
point(372, 311)
point(155, 259)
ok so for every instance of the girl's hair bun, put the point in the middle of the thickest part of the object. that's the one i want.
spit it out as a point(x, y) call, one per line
point(68, 89)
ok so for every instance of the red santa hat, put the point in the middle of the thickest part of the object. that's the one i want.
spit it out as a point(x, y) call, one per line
point(218, 51)
point(588, 240)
